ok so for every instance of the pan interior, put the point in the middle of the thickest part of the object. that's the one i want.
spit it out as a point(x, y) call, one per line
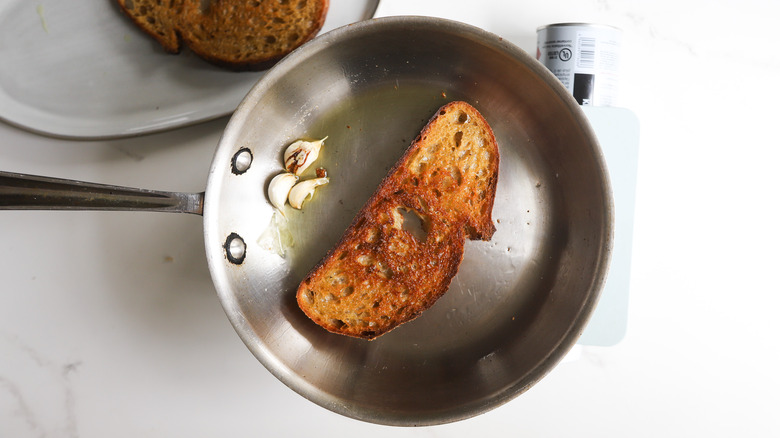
point(518, 302)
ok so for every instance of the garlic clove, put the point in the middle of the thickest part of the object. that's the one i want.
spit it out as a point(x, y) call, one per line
point(303, 190)
point(299, 155)
point(279, 189)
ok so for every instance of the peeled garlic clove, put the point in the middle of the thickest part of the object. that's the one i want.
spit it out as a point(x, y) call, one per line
point(303, 190)
point(279, 189)
point(299, 155)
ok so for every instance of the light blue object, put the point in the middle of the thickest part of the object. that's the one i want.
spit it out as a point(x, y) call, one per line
point(618, 132)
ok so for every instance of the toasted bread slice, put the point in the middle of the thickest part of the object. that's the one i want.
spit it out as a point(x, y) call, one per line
point(236, 34)
point(405, 245)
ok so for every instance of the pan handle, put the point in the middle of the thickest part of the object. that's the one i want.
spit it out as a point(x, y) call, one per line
point(30, 192)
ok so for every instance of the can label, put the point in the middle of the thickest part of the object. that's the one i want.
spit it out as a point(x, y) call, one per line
point(585, 58)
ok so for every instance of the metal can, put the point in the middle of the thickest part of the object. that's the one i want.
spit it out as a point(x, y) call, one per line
point(585, 58)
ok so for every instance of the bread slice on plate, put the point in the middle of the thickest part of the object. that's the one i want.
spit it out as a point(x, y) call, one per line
point(235, 34)
point(405, 245)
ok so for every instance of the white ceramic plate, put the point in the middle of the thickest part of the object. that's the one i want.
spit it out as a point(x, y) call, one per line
point(80, 69)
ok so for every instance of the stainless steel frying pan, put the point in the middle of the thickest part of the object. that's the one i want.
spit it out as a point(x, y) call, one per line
point(518, 303)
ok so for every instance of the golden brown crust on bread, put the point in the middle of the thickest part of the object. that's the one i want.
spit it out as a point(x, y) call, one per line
point(236, 34)
point(405, 245)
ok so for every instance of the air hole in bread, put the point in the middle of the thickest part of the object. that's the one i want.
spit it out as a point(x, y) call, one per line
point(360, 222)
point(372, 234)
point(456, 175)
point(423, 204)
point(458, 138)
point(347, 291)
point(205, 5)
point(384, 270)
point(413, 223)
point(365, 260)
point(337, 323)
point(270, 39)
point(334, 276)
point(463, 118)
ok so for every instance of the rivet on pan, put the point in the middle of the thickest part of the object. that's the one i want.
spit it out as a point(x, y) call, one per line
point(235, 249)
point(241, 161)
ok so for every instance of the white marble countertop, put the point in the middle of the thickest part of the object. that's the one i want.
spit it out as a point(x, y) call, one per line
point(109, 324)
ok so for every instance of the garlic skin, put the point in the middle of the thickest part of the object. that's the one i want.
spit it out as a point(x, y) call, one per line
point(279, 189)
point(299, 155)
point(303, 190)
